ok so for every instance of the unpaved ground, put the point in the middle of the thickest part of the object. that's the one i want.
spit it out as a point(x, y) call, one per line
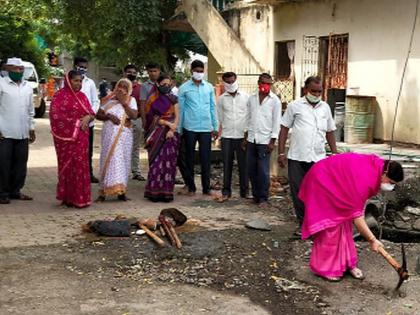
point(48, 267)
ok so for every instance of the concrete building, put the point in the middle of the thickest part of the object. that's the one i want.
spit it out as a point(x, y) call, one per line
point(356, 46)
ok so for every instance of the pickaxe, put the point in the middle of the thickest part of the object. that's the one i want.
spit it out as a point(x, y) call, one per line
point(400, 269)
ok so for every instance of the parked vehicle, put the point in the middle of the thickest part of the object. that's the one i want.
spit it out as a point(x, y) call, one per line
point(31, 76)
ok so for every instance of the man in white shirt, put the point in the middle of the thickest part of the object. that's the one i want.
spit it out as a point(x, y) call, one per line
point(16, 131)
point(264, 115)
point(312, 124)
point(89, 88)
point(232, 108)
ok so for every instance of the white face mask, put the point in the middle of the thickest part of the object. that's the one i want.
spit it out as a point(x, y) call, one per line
point(231, 88)
point(198, 76)
point(312, 98)
point(387, 187)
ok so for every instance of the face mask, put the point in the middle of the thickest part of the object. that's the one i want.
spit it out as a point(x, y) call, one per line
point(264, 88)
point(198, 76)
point(312, 98)
point(387, 187)
point(164, 89)
point(231, 88)
point(15, 76)
point(131, 77)
point(82, 70)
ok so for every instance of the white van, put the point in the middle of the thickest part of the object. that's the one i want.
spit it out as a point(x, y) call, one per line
point(31, 76)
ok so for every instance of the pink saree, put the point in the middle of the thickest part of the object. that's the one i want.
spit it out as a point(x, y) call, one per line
point(334, 192)
point(71, 145)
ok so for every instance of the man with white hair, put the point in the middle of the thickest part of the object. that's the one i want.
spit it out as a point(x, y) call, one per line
point(16, 131)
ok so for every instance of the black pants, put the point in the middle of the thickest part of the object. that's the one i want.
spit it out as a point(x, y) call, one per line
point(182, 160)
point(297, 170)
point(91, 132)
point(13, 166)
point(259, 170)
point(230, 148)
point(204, 143)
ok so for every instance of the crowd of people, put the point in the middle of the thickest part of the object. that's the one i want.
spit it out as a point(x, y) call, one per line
point(328, 193)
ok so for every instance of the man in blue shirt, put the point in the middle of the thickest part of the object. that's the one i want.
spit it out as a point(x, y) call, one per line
point(198, 122)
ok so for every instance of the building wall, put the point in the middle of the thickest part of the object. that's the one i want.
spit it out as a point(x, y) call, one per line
point(379, 32)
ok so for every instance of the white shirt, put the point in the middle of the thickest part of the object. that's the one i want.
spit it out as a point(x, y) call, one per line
point(89, 88)
point(310, 125)
point(232, 114)
point(16, 109)
point(263, 119)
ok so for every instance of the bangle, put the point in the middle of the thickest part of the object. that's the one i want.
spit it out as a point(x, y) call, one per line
point(282, 154)
point(372, 239)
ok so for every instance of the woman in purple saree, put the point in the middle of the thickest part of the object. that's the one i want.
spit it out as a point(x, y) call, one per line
point(162, 142)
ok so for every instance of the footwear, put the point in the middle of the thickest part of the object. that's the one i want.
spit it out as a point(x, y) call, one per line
point(185, 192)
point(221, 199)
point(123, 197)
point(179, 181)
point(100, 199)
point(4, 201)
point(21, 196)
point(298, 232)
point(94, 180)
point(332, 279)
point(356, 273)
point(139, 177)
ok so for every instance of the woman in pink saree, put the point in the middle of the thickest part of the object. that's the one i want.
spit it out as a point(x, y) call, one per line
point(70, 114)
point(334, 192)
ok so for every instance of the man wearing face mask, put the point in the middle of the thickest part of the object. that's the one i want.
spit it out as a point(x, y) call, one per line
point(312, 125)
point(335, 191)
point(16, 131)
point(264, 115)
point(232, 111)
point(130, 72)
point(198, 122)
point(89, 89)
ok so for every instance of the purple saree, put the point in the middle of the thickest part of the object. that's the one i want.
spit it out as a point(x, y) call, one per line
point(162, 152)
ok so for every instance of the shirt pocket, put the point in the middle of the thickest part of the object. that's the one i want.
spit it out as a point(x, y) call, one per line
point(322, 123)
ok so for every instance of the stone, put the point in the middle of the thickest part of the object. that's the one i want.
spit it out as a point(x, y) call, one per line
point(408, 192)
point(403, 217)
point(413, 210)
point(258, 224)
point(416, 225)
point(401, 225)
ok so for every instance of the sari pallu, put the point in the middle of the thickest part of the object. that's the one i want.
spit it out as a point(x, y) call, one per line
point(115, 159)
point(71, 145)
point(162, 152)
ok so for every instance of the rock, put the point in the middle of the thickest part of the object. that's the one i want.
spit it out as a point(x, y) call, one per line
point(401, 225)
point(413, 210)
point(403, 217)
point(258, 224)
point(416, 225)
point(408, 192)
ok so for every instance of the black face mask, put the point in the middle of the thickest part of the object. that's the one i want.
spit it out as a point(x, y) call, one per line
point(131, 77)
point(164, 89)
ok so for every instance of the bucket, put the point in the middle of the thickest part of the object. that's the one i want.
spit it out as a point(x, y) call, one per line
point(359, 119)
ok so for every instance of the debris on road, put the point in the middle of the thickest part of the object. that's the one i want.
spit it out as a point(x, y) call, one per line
point(258, 224)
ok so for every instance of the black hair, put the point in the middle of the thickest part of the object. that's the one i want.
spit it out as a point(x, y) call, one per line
point(152, 65)
point(312, 79)
point(74, 73)
point(78, 60)
point(228, 75)
point(130, 66)
point(265, 75)
point(162, 77)
point(394, 171)
point(197, 64)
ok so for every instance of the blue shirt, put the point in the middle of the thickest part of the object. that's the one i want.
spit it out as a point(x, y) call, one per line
point(197, 109)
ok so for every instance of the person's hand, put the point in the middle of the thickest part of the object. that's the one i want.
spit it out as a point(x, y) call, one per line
point(244, 145)
point(114, 119)
point(85, 120)
point(215, 135)
point(270, 147)
point(121, 95)
point(171, 126)
point(170, 134)
point(375, 244)
point(282, 160)
point(32, 136)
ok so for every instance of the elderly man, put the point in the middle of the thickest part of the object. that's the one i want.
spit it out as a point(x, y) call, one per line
point(16, 131)
point(312, 124)
point(264, 115)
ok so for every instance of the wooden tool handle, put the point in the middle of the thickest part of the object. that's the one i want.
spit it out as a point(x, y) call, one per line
point(389, 258)
point(156, 238)
point(177, 240)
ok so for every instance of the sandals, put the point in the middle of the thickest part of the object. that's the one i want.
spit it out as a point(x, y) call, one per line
point(356, 273)
point(21, 196)
point(332, 279)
